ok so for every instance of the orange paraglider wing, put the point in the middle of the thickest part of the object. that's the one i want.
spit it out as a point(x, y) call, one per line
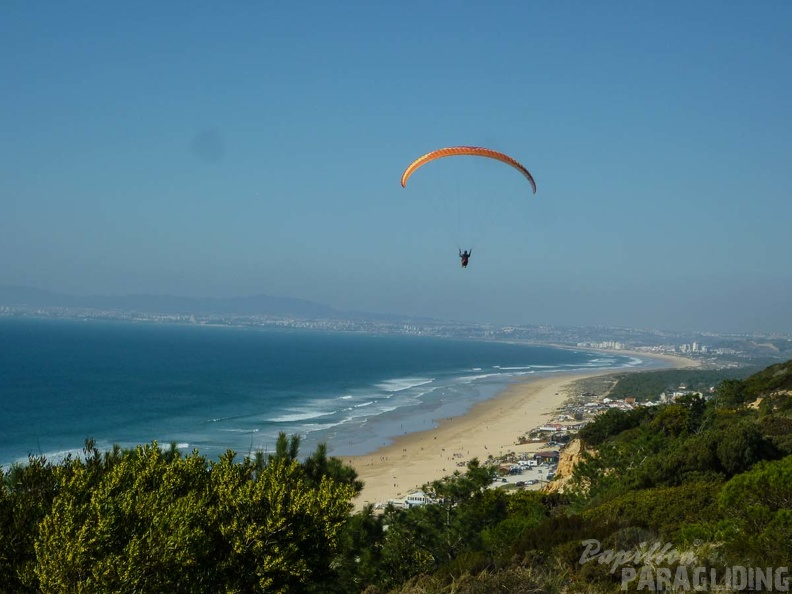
point(473, 151)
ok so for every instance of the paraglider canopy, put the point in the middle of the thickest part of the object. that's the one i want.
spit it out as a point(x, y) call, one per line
point(473, 151)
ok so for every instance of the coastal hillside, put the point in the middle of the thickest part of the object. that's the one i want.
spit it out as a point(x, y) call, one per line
point(694, 487)
point(705, 480)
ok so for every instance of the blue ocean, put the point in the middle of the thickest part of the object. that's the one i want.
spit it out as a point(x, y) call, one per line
point(220, 388)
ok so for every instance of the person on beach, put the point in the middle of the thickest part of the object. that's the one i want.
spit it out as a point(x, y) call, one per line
point(465, 256)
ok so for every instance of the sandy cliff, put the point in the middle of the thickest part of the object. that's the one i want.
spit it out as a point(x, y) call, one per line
point(570, 456)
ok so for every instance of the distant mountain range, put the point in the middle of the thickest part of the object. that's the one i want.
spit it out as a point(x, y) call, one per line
point(14, 296)
point(168, 304)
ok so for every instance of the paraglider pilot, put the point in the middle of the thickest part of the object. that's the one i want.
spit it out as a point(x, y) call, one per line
point(464, 256)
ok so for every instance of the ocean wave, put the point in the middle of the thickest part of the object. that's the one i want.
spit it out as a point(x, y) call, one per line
point(472, 378)
point(301, 416)
point(312, 427)
point(527, 367)
point(405, 383)
point(370, 414)
point(226, 418)
point(60, 455)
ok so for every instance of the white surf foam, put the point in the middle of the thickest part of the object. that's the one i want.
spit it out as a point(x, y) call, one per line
point(404, 383)
point(300, 416)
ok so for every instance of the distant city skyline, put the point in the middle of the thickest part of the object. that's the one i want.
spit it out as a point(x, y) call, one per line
point(230, 151)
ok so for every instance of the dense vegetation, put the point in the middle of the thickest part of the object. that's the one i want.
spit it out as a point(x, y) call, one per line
point(149, 520)
point(712, 477)
point(648, 385)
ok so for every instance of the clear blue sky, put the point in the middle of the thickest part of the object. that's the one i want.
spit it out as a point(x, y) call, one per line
point(223, 149)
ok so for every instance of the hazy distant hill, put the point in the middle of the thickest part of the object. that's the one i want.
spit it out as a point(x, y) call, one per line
point(256, 304)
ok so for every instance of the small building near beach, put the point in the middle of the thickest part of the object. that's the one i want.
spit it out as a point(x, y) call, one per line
point(552, 427)
point(546, 457)
point(411, 500)
point(417, 498)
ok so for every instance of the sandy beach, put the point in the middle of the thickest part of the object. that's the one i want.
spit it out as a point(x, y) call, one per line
point(489, 428)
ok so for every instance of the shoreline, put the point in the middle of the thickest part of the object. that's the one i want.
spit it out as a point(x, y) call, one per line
point(489, 428)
